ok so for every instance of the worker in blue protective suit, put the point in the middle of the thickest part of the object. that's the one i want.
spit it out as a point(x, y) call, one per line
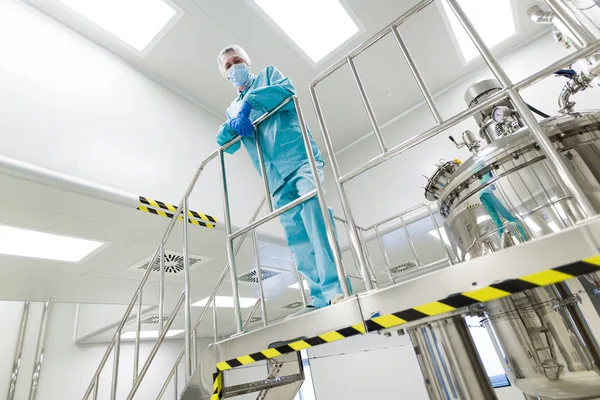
point(496, 209)
point(288, 171)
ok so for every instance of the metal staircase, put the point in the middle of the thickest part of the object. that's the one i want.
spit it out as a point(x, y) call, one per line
point(404, 303)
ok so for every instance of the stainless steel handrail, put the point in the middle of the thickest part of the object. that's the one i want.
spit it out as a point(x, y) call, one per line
point(12, 385)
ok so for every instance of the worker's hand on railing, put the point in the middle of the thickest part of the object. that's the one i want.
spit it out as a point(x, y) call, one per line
point(242, 124)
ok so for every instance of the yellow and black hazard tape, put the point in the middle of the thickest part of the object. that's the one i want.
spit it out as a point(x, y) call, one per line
point(451, 303)
point(217, 386)
point(197, 218)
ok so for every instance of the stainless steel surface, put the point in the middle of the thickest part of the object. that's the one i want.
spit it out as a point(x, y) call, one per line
point(175, 379)
point(263, 172)
point(161, 288)
point(386, 259)
point(138, 328)
point(159, 341)
point(14, 376)
point(365, 99)
point(261, 291)
point(327, 214)
point(96, 387)
point(215, 321)
point(439, 233)
point(235, 294)
point(39, 352)
point(115, 371)
point(579, 32)
point(414, 69)
point(170, 376)
point(250, 315)
point(187, 291)
point(556, 161)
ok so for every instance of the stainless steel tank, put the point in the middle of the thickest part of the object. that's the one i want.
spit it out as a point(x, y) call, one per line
point(505, 194)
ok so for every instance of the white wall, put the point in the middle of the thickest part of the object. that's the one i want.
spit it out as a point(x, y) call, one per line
point(68, 369)
point(396, 184)
point(72, 106)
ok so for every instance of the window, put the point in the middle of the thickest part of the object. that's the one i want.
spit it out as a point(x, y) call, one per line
point(48, 246)
point(487, 353)
point(135, 22)
point(317, 27)
point(492, 19)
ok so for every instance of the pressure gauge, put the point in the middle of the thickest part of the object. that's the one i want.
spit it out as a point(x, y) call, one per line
point(500, 114)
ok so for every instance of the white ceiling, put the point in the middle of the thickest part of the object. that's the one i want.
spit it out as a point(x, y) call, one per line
point(185, 58)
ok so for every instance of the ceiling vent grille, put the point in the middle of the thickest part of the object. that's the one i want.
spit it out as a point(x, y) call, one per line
point(252, 275)
point(173, 263)
point(293, 305)
point(404, 267)
point(255, 319)
point(154, 319)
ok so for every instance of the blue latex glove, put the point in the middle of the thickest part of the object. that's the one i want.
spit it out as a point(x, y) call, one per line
point(567, 73)
point(242, 124)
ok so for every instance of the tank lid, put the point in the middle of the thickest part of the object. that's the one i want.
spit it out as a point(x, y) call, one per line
point(479, 89)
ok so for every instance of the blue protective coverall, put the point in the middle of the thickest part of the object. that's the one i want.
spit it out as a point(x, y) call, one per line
point(289, 177)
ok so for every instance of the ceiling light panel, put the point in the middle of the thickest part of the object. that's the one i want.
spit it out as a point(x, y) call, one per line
point(226, 302)
point(317, 27)
point(135, 22)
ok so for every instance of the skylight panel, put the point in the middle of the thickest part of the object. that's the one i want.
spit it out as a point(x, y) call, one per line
point(493, 20)
point(150, 334)
point(318, 27)
point(48, 246)
point(226, 302)
point(135, 22)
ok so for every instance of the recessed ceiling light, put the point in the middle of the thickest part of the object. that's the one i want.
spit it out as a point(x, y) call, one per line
point(317, 26)
point(444, 235)
point(226, 302)
point(552, 225)
point(297, 286)
point(534, 227)
point(493, 20)
point(150, 334)
point(48, 246)
point(135, 22)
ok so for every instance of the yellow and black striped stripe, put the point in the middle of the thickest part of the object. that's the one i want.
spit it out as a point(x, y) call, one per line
point(451, 303)
point(217, 386)
point(197, 218)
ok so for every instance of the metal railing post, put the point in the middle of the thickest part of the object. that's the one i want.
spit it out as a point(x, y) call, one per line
point(187, 310)
point(215, 321)
point(537, 132)
point(261, 291)
point(175, 379)
point(138, 328)
point(417, 75)
point(161, 288)
point(439, 232)
point(301, 286)
point(353, 238)
point(327, 217)
point(367, 104)
point(251, 314)
point(39, 357)
point(410, 242)
point(372, 276)
point(115, 371)
point(96, 387)
point(170, 376)
point(386, 259)
point(12, 385)
point(263, 171)
point(230, 251)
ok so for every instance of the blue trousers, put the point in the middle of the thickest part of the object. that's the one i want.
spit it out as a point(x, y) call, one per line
point(304, 228)
point(495, 209)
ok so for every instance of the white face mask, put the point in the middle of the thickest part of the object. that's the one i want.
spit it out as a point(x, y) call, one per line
point(239, 74)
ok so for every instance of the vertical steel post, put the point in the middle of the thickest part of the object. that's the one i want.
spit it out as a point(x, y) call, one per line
point(353, 237)
point(263, 171)
point(335, 249)
point(115, 371)
point(161, 289)
point(261, 290)
point(12, 385)
point(138, 328)
point(235, 291)
point(39, 357)
point(187, 304)
point(301, 286)
point(215, 322)
point(96, 387)
point(386, 259)
point(536, 130)
point(175, 379)
point(367, 104)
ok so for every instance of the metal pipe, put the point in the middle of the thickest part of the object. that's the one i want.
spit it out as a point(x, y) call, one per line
point(138, 328)
point(327, 214)
point(375, 38)
point(187, 310)
point(161, 289)
point(301, 287)
point(101, 366)
point(175, 379)
point(579, 32)
point(39, 353)
point(96, 387)
point(251, 314)
point(368, 107)
point(417, 75)
point(12, 385)
point(170, 376)
point(386, 259)
point(410, 242)
point(353, 238)
point(536, 130)
point(194, 350)
point(273, 214)
point(261, 291)
point(215, 321)
point(263, 171)
point(230, 251)
point(115, 371)
point(372, 276)
point(161, 338)
point(439, 232)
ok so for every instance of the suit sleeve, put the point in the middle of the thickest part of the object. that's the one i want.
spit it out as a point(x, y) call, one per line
point(225, 135)
point(279, 88)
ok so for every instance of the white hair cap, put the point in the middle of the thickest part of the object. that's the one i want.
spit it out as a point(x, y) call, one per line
point(229, 51)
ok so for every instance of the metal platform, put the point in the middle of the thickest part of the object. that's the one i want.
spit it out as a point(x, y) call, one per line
point(554, 258)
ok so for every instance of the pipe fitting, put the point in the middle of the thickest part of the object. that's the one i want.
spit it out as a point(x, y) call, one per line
point(539, 16)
